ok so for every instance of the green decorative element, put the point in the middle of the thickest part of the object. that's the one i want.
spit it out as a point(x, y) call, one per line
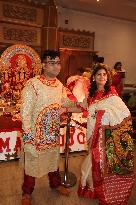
point(119, 150)
point(107, 133)
point(123, 161)
point(15, 155)
point(11, 156)
point(110, 151)
point(129, 132)
point(7, 156)
point(116, 169)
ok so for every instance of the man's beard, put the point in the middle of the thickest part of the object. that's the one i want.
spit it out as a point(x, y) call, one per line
point(51, 75)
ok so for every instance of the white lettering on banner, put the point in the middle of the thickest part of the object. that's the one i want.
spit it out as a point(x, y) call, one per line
point(9, 145)
point(10, 142)
point(77, 140)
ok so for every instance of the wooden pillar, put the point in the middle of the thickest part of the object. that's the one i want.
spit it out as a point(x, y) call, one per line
point(49, 29)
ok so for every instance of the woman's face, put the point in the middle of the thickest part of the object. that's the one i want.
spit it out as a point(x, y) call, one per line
point(101, 78)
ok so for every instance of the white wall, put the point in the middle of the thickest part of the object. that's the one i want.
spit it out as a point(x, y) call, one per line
point(114, 39)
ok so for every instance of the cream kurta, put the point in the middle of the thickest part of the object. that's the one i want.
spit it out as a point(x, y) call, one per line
point(40, 111)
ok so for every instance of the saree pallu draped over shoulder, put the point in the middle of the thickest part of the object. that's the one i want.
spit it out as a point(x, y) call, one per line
point(108, 170)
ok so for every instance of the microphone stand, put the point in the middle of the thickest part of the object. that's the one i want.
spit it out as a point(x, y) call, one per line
point(68, 179)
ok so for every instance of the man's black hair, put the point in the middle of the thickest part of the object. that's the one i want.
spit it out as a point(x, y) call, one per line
point(49, 53)
point(100, 59)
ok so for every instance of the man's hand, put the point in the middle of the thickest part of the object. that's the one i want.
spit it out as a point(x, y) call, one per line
point(68, 103)
point(83, 104)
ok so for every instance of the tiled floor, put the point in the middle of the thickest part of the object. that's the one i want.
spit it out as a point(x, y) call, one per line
point(11, 177)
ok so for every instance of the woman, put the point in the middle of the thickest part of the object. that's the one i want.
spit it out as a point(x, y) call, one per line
point(107, 172)
point(118, 77)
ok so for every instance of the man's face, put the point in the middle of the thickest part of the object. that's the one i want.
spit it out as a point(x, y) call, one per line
point(51, 67)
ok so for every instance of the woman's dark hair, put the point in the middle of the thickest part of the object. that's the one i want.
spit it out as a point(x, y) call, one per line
point(116, 64)
point(93, 85)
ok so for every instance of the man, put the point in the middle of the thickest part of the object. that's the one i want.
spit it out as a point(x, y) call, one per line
point(40, 112)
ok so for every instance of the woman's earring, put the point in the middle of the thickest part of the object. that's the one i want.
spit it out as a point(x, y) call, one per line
point(93, 79)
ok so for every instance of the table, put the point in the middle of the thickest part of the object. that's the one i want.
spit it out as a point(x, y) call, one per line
point(11, 132)
point(10, 138)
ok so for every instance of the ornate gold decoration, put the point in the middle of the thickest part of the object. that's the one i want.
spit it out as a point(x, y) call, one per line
point(19, 12)
point(18, 63)
point(80, 40)
point(17, 56)
point(76, 41)
point(27, 36)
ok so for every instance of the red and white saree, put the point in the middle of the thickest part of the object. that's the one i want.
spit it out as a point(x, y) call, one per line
point(107, 172)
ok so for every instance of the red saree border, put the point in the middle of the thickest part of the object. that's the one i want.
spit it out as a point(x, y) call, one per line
point(96, 170)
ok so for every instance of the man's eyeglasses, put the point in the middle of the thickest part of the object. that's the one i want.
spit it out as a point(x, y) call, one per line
point(53, 62)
